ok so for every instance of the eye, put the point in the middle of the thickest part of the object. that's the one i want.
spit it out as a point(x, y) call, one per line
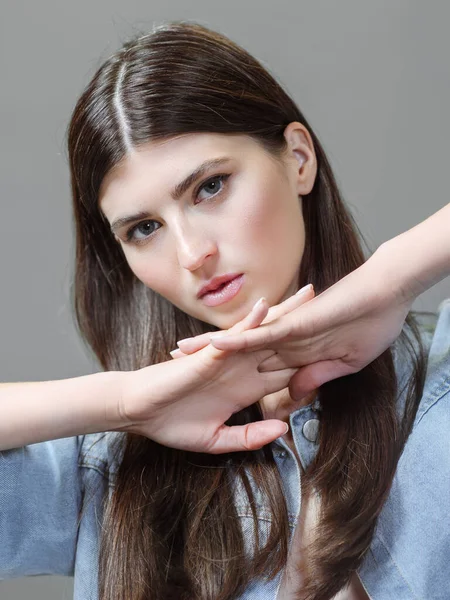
point(214, 185)
point(145, 229)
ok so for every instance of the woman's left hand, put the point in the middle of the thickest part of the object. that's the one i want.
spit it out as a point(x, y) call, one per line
point(336, 333)
point(191, 345)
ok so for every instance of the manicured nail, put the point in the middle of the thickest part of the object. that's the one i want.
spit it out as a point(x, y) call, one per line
point(183, 340)
point(287, 429)
point(258, 304)
point(176, 353)
point(305, 289)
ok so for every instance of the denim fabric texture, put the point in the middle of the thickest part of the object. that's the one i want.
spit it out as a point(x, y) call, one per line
point(51, 497)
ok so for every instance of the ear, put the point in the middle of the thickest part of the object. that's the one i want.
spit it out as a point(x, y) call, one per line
point(301, 156)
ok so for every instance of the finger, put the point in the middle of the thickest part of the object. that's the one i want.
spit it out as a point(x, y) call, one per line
point(262, 355)
point(291, 303)
point(258, 356)
point(253, 319)
point(275, 363)
point(177, 353)
point(193, 344)
point(247, 437)
point(277, 380)
point(309, 378)
point(259, 337)
point(275, 312)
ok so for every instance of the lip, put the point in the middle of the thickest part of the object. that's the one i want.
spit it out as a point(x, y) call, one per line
point(221, 289)
point(215, 282)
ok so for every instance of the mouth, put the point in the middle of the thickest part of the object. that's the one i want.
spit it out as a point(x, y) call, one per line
point(224, 290)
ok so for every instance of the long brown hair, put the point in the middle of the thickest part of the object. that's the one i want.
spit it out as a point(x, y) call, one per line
point(171, 528)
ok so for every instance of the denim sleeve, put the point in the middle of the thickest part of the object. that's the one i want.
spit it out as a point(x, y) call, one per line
point(40, 499)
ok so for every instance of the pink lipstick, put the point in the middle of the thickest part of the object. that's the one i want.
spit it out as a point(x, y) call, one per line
point(224, 292)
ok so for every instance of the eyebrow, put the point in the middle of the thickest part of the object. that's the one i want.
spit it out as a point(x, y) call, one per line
point(176, 192)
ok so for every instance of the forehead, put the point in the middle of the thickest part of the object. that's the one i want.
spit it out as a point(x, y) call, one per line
point(161, 164)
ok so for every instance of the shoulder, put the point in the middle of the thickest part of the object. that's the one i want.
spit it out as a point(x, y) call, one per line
point(411, 545)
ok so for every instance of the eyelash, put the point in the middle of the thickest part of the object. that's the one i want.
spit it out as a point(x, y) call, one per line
point(223, 177)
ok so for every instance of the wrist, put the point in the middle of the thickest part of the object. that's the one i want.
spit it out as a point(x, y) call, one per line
point(419, 258)
point(395, 272)
point(134, 401)
point(35, 412)
point(116, 384)
point(117, 410)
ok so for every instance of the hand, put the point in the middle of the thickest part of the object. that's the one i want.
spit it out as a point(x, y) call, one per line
point(336, 333)
point(184, 403)
point(252, 320)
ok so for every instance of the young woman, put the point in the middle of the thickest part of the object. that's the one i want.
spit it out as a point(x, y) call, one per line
point(198, 188)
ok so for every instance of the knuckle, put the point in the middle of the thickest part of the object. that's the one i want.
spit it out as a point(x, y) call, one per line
point(246, 439)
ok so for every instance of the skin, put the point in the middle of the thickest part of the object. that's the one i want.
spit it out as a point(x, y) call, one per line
point(250, 222)
point(254, 225)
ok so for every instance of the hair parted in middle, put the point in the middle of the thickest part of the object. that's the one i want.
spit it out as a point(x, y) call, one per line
point(171, 528)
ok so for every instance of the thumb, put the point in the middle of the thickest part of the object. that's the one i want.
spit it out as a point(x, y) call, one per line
point(247, 437)
point(309, 378)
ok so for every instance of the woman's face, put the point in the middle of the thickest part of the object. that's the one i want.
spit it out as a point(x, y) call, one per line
point(182, 223)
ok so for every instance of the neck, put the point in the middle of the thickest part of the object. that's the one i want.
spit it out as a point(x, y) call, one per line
point(280, 404)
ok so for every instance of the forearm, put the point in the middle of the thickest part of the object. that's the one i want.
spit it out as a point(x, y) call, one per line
point(419, 258)
point(40, 411)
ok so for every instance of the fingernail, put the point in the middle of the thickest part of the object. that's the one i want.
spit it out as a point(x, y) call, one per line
point(287, 429)
point(304, 289)
point(176, 353)
point(183, 340)
point(258, 304)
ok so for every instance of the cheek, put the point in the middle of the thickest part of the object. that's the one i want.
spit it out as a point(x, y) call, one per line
point(155, 274)
point(271, 224)
point(272, 239)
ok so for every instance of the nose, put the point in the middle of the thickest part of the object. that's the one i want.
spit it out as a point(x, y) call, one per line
point(194, 247)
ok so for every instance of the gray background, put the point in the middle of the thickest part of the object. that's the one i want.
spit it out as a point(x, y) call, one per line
point(372, 77)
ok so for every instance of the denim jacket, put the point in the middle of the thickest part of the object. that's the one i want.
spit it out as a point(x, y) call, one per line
point(48, 527)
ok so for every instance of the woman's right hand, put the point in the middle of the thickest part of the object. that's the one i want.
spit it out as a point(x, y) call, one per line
point(184, 403)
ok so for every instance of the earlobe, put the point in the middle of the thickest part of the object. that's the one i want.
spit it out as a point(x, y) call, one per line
point(307, 175)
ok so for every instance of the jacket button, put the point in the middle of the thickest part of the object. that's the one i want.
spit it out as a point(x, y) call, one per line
point(311, 430)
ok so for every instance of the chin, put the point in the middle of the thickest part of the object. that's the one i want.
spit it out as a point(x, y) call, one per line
point(224, 321)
